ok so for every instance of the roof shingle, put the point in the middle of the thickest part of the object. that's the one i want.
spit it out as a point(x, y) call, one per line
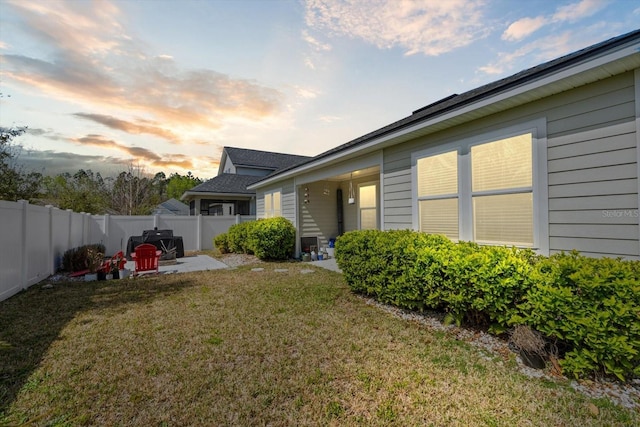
point(226, 183)
point(263, 159)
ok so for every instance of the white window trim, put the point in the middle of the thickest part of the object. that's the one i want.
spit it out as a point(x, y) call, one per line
point(538, 130)
point(378, 198)
point(270, 194)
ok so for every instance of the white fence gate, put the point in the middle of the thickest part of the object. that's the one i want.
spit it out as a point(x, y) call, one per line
point(34, 238)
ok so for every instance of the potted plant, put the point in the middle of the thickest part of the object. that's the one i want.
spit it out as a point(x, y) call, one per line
point(118, 263)
point(93, 262)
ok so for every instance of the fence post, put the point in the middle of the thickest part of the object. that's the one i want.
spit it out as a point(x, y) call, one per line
point(238, 219)
point(69, 228)
point(52, 260)
point(105, 227)
point(199, 232)
point(87, 228)
point(23, 256)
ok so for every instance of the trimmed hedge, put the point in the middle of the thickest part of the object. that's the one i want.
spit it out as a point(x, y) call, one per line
point(272, 238)
point(221, 241)
point(238, 237)
point(589, 307)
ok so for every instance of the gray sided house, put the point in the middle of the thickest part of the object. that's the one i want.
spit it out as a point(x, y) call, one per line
point(546, 159)
point(227, 193)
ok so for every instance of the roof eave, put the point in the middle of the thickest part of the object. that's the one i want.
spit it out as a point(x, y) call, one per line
point(621, 60)
point(189, 194)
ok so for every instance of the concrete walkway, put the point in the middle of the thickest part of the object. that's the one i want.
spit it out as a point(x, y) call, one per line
point(329, 264)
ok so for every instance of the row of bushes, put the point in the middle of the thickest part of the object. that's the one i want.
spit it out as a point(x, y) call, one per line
point(589, 307)
point(78, 259)
point(271, 238)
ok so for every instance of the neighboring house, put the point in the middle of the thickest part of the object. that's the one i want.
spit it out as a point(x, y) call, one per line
point(546, 159)
point(171, 207)
point(227, 194)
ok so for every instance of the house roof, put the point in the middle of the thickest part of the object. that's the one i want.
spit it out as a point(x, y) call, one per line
point(493, 94)
point(173, 206)
point(224, 184)
point(263, 159)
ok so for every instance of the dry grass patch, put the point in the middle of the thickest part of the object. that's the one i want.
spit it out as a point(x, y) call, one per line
point(238, 347)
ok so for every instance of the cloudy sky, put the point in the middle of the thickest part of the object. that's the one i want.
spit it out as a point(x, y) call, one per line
point(166, 84)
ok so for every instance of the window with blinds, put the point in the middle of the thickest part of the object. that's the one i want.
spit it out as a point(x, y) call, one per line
point(272, 204)
point(488, 191)
point(438, 194)
point(502, 191)
point(368, 207)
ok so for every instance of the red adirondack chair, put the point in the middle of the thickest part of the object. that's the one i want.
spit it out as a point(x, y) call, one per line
point(146, 257)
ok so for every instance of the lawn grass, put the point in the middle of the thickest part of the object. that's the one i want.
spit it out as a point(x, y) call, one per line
point(238, 347)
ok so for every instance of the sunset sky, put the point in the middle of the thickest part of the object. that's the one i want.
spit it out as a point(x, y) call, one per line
point(166, 84)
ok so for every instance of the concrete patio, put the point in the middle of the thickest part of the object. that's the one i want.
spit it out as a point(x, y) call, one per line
point(204, 263)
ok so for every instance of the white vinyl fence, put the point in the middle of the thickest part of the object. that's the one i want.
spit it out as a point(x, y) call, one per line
point(34, 238)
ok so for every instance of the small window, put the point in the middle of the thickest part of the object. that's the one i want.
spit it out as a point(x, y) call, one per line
point(272, 204)
point(368, 206)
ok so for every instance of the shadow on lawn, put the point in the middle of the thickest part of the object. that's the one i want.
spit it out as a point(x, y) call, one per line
point(32, 320)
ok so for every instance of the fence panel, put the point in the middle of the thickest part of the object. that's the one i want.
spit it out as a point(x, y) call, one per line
point(60, 232)
point(77, 230)
point(37, 238)
point(11, 249)
point(184, 226)
point(212, 226)
point(122, 227)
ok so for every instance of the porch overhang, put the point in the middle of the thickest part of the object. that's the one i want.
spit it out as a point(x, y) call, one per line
point(189, 195)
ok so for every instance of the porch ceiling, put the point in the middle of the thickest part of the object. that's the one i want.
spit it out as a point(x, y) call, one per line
point(373, 170)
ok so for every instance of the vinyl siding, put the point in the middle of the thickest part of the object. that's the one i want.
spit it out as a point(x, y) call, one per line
point(289, 201)
point(397, 199)
point(318, 218)
point(286, 189)
point(260, 204)
point(591, 165)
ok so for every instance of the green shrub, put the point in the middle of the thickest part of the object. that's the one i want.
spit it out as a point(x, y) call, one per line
point(592, 308)
point(272, 238)
point(221, 241)
point(238, 237)
point(75, 259)
point(398, 267)
point(589, 307)
point(485, 284)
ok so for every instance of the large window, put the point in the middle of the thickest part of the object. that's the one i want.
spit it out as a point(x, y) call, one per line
point(480, 191)
point(272, 204)
point(438, 194)
point(502, 191)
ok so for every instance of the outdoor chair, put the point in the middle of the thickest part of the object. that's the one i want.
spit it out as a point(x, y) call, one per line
point(146, 257)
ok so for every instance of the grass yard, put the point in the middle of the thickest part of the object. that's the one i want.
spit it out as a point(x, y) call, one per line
point(237, 347)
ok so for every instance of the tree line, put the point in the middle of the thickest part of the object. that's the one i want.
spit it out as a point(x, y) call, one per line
point(131, 192)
